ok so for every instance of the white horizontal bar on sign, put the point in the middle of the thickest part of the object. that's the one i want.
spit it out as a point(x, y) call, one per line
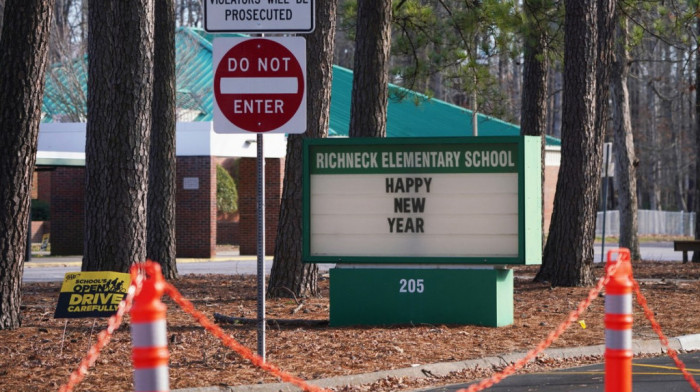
point(272, 85)
point(445, 183)
point(421, 224)
point(415, 245)
point(351, 205)
point(432, 203)
point(480, 183)
point(349, 184)
point(416, 266)
point(468, 204)
point(348, 224)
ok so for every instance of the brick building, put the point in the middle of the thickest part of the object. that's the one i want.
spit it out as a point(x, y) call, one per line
point(61, 160)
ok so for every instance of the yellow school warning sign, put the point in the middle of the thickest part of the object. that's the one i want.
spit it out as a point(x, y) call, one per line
point(91, 294)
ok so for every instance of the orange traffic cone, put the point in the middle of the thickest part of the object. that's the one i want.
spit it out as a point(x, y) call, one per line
point(149, 338)
point(618, 323)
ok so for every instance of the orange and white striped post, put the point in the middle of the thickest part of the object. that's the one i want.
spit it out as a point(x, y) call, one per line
point(149, 339)
point(618, 324)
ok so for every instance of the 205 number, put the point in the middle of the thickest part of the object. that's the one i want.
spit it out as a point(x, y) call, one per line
point(411, 286)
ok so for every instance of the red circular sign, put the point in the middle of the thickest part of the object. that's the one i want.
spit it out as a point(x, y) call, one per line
point(259, 85)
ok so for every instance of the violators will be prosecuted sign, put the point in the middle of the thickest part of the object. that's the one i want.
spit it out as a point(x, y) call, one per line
point(91, 294)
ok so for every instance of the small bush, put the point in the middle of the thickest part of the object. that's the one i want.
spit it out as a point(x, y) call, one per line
point(226, 192)
point(40, 210)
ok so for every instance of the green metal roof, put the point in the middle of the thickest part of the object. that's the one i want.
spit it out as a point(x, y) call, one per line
point(411, 114)
point(65, 91)
point(415, 115)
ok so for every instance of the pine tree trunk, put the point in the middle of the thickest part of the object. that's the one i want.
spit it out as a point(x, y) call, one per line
point(696, 255)
point(120, 69)
point(555, 110)
point(161, 176)
point(24, 48)
point(289, 275)
point(677, 127)
point(370, 85)
point(2, 13)
point(534, 95)
point(625, 159)
point(568, 254)
point(654, 158)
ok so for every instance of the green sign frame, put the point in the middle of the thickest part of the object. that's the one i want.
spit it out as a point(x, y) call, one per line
point(519, 155)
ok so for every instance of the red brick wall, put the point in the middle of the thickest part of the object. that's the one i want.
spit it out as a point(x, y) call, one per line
point(550, 186)
point(247, 203)
point(35, 185)
point(67, 210)
point(39, 228)
point(196, 208)
point(43, 185)
point(227, 233)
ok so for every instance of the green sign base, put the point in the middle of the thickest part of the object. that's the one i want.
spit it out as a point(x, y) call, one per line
point(382, 296)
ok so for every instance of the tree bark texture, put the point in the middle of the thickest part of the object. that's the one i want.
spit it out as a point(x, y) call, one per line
point(653, 159)
point(568, 253)
point(370, 85)
point(696, 255)
point(290, 276)
point(160, 245)
point(24, 48)
point(623, 144)
point(533, 111)
point(2, 14)
point(120, 69)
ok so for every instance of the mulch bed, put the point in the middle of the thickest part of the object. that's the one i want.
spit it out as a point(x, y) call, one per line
point(44, 351)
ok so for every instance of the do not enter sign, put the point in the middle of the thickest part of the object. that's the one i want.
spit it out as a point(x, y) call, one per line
point(260, 85)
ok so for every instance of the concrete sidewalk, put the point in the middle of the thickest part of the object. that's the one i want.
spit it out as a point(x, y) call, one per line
point(684, 343)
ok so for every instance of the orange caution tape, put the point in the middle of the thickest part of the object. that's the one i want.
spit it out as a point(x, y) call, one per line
point(234, 345)
point(664, 340)
point(137, 282)
point(554, 335)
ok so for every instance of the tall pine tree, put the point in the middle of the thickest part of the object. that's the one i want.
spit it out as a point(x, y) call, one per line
point(24, 48)
point(120, 82)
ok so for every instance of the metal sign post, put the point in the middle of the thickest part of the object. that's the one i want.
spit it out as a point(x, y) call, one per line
point(261, 247)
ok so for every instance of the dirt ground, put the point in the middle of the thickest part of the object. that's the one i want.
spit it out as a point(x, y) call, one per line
point(44, 351)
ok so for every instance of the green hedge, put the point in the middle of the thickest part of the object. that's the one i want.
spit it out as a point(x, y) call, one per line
point(40, 210)
point(226, 192)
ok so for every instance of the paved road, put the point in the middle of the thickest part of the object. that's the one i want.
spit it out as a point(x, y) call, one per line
point(654, 251)
point(53, 269)
point(649, 375)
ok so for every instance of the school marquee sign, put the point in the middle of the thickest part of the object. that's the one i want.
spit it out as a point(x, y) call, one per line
point(447, 200)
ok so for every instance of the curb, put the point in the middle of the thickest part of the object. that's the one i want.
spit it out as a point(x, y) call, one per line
point(681, 343)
